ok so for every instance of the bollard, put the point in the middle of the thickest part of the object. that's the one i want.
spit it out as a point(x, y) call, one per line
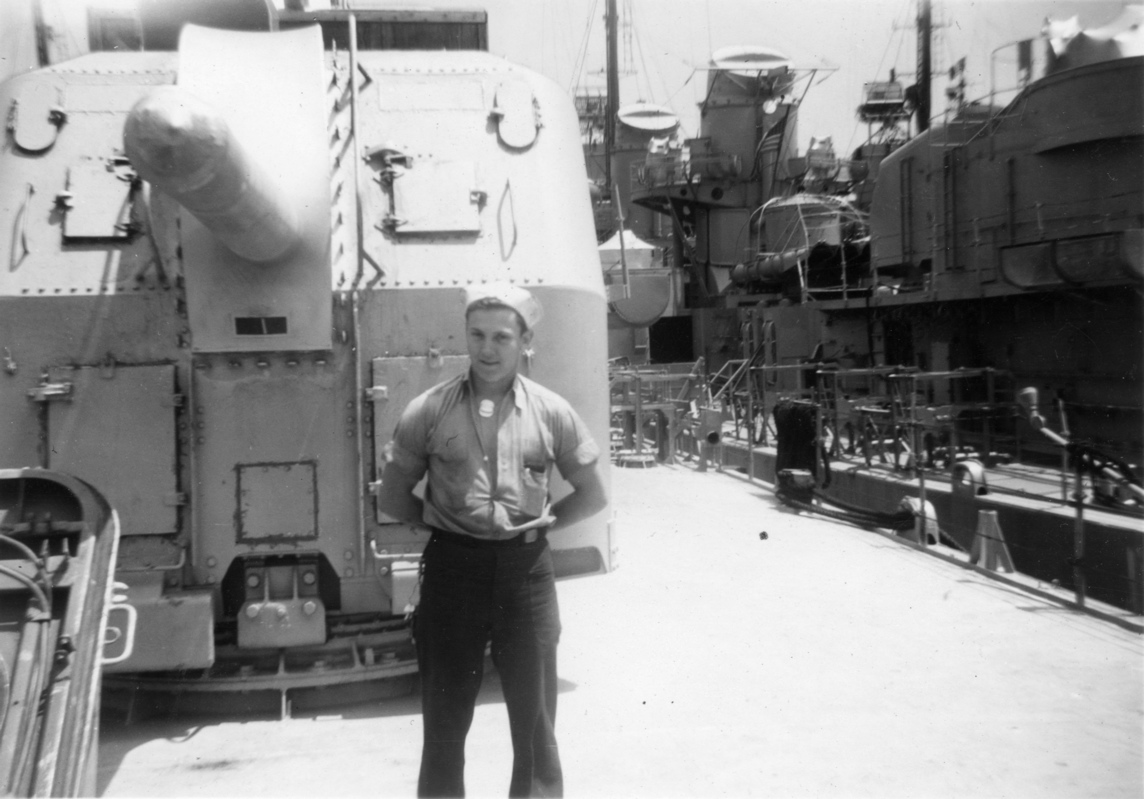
point(989, 545)
point(923, 514)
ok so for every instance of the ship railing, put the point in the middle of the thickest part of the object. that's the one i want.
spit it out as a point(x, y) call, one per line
point(885, 101)
point(714, 166)
point(654, 402)
point(981, 113)
point(731, 390)
point(726, 379)
point(901, 417)
point(1025, 67)
point(660, 170)
point(911, 421)
point(928, 419)
point(655, 384)
point(765, 386)
point(908, 420)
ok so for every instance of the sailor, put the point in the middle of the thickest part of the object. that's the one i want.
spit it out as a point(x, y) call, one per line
point(488, 441)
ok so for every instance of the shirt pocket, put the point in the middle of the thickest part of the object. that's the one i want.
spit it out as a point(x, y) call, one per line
point(533, 490)
point(452, 472)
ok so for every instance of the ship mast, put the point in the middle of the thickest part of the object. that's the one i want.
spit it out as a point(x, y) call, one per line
point(613, 100)
point(925, 23)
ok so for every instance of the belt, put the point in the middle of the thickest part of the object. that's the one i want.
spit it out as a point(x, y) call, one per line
point(526, 538)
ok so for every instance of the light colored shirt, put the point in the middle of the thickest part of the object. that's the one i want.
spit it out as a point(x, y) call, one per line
point(536, 429)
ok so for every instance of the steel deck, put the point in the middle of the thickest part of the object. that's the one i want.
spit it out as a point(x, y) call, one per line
point(823, 661)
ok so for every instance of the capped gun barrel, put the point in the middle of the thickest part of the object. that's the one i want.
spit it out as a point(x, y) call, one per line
point(768, 266)
point(183, 147)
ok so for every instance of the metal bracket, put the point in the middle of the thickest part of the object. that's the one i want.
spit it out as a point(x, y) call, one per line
point(377, 393)
point(391, 559)
point(388, 153)
point(393, 161)
point(48, 392)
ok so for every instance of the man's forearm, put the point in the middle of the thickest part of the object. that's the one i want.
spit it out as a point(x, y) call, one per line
point(587, 499)
point(396, 497)
point(405, 509)
point(571, 509)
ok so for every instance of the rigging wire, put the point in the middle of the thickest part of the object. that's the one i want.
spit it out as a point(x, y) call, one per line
point(707, 8)
point(656, 46)
point(897, 26)
point(627, 27)
point(564, 54)
point(646, 74)
point(578, 67)
point(631, 44)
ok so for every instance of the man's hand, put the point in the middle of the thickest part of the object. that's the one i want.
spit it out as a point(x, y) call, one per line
point(546, 519)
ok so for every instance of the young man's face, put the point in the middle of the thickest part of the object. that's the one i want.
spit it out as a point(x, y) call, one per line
point(495, 343)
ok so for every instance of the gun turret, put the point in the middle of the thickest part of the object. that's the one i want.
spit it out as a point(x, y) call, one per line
point(185, 148)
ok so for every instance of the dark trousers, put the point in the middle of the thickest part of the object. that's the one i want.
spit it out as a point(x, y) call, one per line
point(471, 595)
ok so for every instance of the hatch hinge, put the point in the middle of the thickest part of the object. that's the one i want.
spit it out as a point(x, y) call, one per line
point(391, 222)
point(175, 499)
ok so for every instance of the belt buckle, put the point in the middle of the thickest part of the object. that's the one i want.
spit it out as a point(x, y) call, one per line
point(529, 536)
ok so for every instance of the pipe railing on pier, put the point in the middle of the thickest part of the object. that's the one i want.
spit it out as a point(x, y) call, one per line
point(907, 420)
point(659, 394)
point(900, 407)
point(881, 408)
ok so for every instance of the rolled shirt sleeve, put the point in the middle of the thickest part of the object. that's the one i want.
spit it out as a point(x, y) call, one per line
point(572, 442)
point(408, 450)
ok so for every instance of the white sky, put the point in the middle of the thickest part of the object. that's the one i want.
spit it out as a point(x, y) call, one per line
point(667, 39)
point(862, 38)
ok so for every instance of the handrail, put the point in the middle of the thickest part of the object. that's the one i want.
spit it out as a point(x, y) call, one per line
point(48, 746)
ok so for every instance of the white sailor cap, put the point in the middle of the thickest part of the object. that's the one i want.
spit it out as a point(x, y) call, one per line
point(520, 300)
